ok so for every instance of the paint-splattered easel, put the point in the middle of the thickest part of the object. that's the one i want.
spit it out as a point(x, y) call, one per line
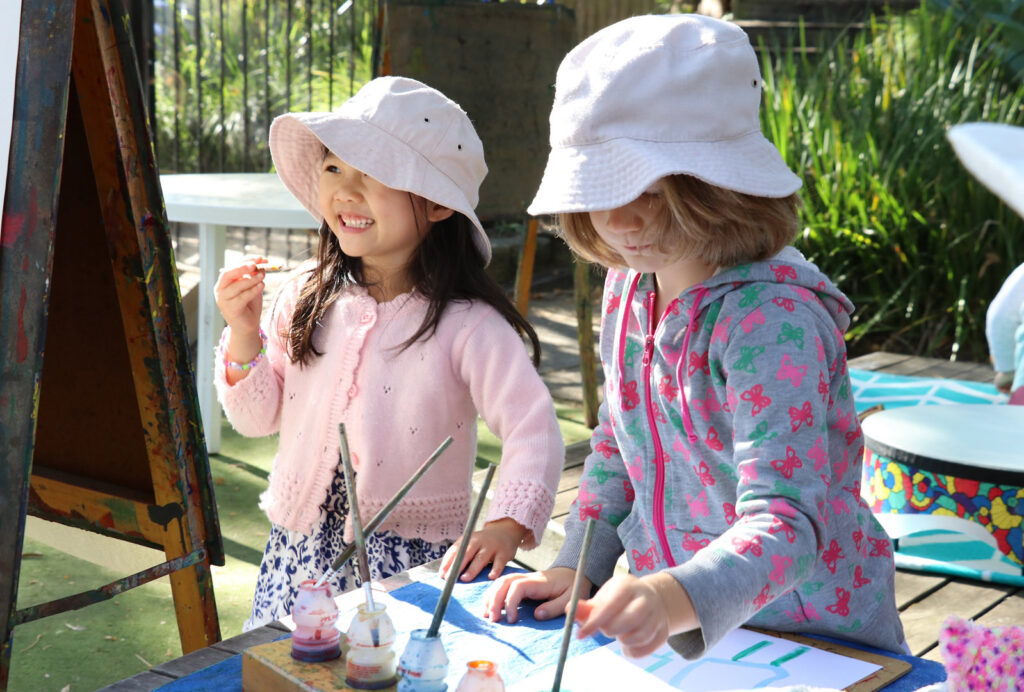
point(99, 419)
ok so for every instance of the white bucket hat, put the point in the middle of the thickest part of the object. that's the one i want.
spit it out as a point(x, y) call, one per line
point(397, 130)
point(994, 154)
point(653, 96)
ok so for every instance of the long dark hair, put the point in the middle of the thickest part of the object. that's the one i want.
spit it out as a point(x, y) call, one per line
point(446, 266)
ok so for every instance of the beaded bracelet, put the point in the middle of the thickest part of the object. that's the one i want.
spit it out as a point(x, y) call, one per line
point(244, 366)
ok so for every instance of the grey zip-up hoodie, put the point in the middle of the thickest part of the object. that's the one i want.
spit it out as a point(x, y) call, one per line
point(729, 453)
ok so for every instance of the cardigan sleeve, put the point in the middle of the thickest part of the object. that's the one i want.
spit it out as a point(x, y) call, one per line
point(253, 404)
point(514, 402)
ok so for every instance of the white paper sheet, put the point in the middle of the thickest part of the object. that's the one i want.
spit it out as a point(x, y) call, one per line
point(743, 660)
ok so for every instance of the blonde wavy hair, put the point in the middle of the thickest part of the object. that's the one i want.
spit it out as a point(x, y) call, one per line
point(717, 226)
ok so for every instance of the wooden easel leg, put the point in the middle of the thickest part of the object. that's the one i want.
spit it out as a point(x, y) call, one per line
point(585, 331)
point(524, 277)
point(194, 607)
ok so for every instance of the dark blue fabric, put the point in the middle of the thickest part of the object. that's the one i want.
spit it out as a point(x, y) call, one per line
point(519, 649)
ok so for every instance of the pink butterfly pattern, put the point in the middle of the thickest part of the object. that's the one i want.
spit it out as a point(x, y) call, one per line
point(790, 463)
point(788, 371)
point(800, 416)
point(757, 400)
point(705, 407)
point(752, 320)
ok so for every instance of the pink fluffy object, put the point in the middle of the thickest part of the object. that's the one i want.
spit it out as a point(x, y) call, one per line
point(977, 657)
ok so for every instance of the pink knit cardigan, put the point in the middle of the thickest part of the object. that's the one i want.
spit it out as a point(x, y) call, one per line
point(398, 406)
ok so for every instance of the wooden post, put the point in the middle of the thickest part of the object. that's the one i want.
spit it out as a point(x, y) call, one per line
point(585, 331)
point(524, 276)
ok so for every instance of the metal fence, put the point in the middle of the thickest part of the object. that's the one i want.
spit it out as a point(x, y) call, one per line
point(223, 69)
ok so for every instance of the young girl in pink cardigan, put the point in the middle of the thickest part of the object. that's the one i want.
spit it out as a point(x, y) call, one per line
point(397, 332)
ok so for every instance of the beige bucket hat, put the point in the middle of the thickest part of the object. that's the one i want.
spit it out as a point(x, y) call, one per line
point(399, 131)
point(652, 96)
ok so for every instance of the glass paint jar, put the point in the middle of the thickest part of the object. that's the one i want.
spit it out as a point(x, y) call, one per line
point(316, 636)
point(423, 666)
point(481, 676)
point(370, 659)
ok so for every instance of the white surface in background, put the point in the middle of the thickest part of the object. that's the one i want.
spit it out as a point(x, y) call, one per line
point(994, 154)
point(10, 27)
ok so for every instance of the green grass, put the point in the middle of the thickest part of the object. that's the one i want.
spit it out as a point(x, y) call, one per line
point(109, 641)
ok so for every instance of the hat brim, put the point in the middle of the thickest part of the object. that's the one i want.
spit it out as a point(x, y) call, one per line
point(994, 154)
point(610, 174)
point(296, 146)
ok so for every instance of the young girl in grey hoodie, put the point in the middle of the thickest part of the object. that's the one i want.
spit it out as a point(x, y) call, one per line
point(727, 461)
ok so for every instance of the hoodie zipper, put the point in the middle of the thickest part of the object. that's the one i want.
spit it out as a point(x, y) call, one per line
point(652, 424)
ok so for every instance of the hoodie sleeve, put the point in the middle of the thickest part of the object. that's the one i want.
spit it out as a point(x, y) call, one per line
point(780, 361)
point(605, 494)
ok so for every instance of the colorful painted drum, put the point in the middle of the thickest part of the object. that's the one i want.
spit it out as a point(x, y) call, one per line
point(963, 461)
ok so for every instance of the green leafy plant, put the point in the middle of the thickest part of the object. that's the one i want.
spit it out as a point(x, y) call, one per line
point(889, 212)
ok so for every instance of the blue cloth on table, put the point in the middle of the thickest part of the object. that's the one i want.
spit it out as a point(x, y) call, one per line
point(519, 649)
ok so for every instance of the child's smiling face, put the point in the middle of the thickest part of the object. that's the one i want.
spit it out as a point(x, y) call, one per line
point(379, 224)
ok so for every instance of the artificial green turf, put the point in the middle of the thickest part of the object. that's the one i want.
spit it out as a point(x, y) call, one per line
point(105, 642)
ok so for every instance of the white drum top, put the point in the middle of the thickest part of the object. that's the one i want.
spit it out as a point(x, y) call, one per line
point(984, 437)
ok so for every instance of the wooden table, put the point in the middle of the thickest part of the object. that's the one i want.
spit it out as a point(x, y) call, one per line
point(215, 201)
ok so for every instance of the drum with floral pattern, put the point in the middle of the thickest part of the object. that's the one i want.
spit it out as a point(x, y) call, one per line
point(900, 487)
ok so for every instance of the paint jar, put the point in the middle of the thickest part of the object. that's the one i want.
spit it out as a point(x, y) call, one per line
point(370, 660)
point(423, 666)
point(481, 676)
point(316, 637)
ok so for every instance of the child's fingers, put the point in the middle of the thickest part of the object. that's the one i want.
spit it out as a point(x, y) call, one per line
point(495, 602)
point(646, 642)
point(609, 603)
point(497, 566)
point(246, 269)
point(480, 559)
point(449, 557)
point(535, 587)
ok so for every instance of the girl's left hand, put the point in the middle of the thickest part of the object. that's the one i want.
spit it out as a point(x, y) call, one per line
point(495, 544)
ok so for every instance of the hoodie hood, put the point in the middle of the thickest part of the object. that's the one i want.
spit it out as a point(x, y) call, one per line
point(794, 276)
point(788, 267)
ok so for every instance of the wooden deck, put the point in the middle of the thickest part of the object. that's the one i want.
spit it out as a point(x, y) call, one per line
point(924, 600)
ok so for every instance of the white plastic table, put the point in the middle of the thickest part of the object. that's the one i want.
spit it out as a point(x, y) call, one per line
point(215, 201)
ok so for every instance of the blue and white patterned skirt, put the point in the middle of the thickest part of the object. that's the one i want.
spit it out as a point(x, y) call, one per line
point(292, 557)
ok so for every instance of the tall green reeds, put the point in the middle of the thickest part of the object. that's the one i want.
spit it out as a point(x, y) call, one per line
point(889, 212)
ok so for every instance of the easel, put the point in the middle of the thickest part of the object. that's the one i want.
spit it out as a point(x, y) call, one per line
point(99, 420)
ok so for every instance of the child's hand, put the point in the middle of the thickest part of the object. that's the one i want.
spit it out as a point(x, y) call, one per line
point(496, 543)
point(553, 586)
point(239, 293)
point(1003, 381)
point(641, 612)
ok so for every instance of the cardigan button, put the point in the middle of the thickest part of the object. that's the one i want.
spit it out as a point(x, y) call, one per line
point(366, 318)
point(353, 391)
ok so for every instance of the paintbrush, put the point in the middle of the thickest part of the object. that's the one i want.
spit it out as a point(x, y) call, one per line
point(377, 520)
point(456, 567)
point(574, 599)
point(357, 528)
